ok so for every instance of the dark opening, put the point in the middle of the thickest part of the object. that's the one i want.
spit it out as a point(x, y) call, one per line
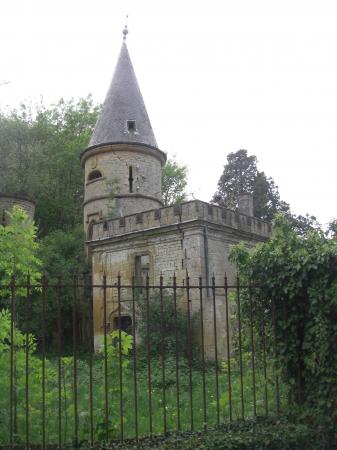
point(131, 125)
point(94, 175)
point(123, 323)
point(142, 269)
point(130, 179)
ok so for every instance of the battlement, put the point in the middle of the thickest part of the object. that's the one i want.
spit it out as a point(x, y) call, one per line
point(179, 214)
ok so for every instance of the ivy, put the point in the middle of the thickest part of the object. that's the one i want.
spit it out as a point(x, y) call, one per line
point(297, 298)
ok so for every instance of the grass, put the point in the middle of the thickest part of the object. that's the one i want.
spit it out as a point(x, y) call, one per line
point(112, 429)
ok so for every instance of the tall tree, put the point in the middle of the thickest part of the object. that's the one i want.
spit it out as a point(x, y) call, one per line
point(174, 182)
point(241, 175)
point(39, 151)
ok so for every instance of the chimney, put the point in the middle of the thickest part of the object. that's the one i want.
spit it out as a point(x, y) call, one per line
point(245, 204)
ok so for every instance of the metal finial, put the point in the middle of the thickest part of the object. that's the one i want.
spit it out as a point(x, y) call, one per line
point(125, 30)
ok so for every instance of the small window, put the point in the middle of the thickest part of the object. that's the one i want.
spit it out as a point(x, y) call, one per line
point(94, 175)
point(130, 180)
point(131, 126)
point(142, 269)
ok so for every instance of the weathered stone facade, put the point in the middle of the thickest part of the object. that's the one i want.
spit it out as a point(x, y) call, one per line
point(7, 201)
point(193, 238)
point(114, 193)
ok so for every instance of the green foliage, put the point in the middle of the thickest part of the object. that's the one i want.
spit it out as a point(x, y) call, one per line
point(52, 387)
point(39, 153)
point(297, 279)
point(174, 182)
point(18, 249)
point(332, 229)
point(63, 259)
point(165, 325)
point(255, 434)
point(241, 175)
point(302, 224)
point(62, 254)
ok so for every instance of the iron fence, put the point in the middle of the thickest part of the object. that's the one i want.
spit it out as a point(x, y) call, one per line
point(85, 362)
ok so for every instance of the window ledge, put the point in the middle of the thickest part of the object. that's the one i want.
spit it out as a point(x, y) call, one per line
point(94, 180)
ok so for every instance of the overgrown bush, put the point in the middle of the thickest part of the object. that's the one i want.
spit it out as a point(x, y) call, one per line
point(296, 303)
point(169, 328)
point(256, 434)
point(55, 393)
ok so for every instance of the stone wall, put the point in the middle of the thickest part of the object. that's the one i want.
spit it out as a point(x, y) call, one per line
point(194, 238)
point(7, 201)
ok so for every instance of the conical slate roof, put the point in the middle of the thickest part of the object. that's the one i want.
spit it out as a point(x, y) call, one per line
point(123, 104)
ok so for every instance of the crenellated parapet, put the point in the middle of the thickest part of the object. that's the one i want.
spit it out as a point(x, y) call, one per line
point(187, 212)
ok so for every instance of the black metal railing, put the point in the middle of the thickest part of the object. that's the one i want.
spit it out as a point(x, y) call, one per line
point(84, 362)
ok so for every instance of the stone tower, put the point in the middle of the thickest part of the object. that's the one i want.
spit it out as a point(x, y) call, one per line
point(9, 200)
point(139, 239)
point(122, 163)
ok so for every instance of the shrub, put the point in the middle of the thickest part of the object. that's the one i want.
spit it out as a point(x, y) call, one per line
point(167, 326)
point(297, 299)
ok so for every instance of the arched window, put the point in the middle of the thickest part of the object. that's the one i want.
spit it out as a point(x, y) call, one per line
point(94, 175)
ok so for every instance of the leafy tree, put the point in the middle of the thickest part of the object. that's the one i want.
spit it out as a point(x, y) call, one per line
point(63, 258)
point(62, 254)
point(302, 224)
point(332, 229)
point(39, 151)
point(174, 182)
point(296, 277)
point(18, 249)
point(241, 175)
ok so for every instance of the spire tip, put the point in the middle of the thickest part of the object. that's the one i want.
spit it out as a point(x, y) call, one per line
point(125, 29)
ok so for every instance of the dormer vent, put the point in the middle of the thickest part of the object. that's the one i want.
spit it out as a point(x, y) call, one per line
point(131, 126)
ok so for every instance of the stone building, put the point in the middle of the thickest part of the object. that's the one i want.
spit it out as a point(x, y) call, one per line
point(7, 201)
point(129, 231)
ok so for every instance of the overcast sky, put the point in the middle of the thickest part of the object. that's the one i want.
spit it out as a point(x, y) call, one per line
point(216, 76)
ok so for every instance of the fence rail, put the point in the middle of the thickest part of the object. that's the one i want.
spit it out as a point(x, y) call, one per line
point(84, 362)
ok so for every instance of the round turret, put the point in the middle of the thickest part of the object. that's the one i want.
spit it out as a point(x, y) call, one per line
point(7, 201)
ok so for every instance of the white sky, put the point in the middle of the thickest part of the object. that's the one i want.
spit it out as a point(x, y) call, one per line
point(216, 76)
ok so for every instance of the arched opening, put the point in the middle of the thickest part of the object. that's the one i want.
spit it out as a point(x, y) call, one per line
point(94, 175)
point(123, 323)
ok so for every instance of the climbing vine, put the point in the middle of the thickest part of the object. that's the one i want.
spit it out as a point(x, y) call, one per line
point(297, 298)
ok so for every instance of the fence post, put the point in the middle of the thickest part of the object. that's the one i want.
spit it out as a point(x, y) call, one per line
point(240, 345)
point(190, 351)
point(216, 353)
point(203, 352)
point(120, 358)
point(134, 355)
point(176, 348)
point(229, 375)
point(12, 363)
